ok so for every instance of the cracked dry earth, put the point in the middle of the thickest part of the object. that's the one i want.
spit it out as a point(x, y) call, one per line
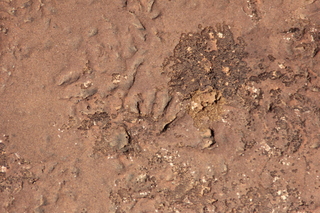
point(159, 106)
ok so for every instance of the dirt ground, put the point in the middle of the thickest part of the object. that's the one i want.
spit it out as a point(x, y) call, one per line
point(159, 106)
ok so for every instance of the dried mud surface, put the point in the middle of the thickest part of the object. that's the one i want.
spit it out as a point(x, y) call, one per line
point(159, 106)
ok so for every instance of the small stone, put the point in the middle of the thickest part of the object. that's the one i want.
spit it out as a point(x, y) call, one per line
point(207, 133)
point(119, 139)
point(75, 171)
point(93, 32)
point(315, 145)
point(207, 143)
point(3, 169)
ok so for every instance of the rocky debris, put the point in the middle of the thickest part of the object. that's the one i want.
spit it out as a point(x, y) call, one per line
point(210, 58)
point(101, 119)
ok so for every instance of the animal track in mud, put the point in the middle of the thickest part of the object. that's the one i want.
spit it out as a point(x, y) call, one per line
point(206, 67)
point(208, 70)
point(138, 111)
point(118, 131)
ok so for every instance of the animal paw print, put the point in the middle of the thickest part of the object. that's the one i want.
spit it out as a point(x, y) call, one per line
point(155, 106)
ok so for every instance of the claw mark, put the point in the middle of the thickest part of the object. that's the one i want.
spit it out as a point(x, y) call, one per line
point(148, 100)
point(137, 62)
point(68, 78)
point(161, 105)
point(133, 104)
point(130, 79)
point(166, 125)
point(150, 5)
point(136, 22)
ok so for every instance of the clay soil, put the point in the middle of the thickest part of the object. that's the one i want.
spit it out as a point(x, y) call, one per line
point(159, 106)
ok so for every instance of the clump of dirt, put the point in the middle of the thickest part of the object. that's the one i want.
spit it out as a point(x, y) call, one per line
point(209, 58)
point(205, 106)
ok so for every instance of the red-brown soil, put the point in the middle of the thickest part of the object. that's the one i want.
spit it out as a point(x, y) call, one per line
point(159, 106)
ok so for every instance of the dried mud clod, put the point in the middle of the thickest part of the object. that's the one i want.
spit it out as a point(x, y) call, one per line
point(209, 58)
point(205, 107)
